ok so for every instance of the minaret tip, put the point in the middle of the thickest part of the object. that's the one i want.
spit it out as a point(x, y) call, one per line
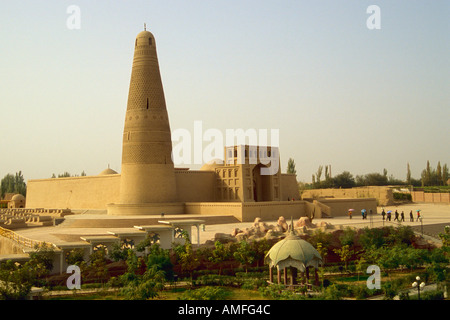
point(145, 27)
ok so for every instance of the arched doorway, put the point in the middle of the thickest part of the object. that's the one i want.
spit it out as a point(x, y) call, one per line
point(262, 185)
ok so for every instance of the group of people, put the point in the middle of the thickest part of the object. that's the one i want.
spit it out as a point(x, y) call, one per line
point(363, 213)
point(388, 215)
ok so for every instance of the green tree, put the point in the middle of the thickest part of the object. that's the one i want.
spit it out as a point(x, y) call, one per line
point(13, 184)
point(344, 254)
point(408, 174)
point(373, 237)
point(439, 174)
point(361, 265)
point(260, 248)
point(64, 175)
point(244, 254)
point(143, 287)
point(426, 175)
point(445, 175)
point(42, 259)
point(219, 254)
point(16, 281)
point(160, 259)
point(118, 252)
point(97, 264)
point(323, 251)
point(372, 179)
point(291, 166)
point(344, 180)
point(319, 174)
point(189, 260)
point(445, 236)
point(347, 238)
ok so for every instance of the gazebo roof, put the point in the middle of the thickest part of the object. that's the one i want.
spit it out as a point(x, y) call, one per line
point(293, 251)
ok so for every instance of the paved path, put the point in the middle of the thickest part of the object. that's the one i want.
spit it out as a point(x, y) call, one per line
point(411, 292)
point(435, 217)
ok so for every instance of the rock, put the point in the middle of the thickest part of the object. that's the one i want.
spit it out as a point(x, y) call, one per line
point(224, 237)
point(282, 223)
point(235, 232)
point(240, 237)
point(209, 243)
point(271, 234)
point(325, 225)
point(304, 221)
point(302, 229)
point(256, 222)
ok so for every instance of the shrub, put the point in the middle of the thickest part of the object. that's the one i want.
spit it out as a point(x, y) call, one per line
point(253, 284)
point(215, 280)
point(336, 292)
point(118, 252)
point(402, 196)
point(373, 237)
point(429, 295)
point(320, 236)
point(206, 293)
point(402, 234)
point(160, 258)
point(348, 237)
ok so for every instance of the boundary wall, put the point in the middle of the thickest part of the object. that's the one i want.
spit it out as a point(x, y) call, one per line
point(420, 196)
point(382, 194)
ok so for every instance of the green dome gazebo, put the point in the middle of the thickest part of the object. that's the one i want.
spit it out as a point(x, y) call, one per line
point(294, 253)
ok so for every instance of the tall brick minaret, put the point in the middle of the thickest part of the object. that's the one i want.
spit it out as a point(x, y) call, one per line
point(148, 174)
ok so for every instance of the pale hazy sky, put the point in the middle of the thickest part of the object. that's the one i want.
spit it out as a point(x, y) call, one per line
point(340, 94)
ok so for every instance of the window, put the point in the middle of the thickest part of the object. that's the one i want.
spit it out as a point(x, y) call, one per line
point(150, 41)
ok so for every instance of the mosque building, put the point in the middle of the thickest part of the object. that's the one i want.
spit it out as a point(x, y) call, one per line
point(150, 184)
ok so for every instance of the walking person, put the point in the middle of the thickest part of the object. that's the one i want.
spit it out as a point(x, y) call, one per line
point(402, 215)
point(418, 215)
point(383, 214)
point(389, 215)
point(396, 215)
point(411, 216)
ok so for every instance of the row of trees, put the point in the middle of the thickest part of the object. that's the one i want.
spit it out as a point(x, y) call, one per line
point(429, 177)
point(68, 175)
point(13, 183)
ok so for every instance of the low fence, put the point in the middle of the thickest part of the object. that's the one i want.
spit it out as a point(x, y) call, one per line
point(20, 240)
